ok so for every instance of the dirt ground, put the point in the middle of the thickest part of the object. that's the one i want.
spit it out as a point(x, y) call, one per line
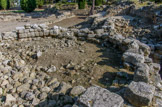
point(70, 22)
point(79, 63)
point(11, 25)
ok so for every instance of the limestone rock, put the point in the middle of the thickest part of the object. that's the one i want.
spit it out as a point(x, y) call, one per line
point(51, 69)
point(139, 93)
point(133, 58)
point(145, 48)
point(77, 90)
point(9, 35)
point(10, 98)
point(142, 73)
point(63, 88)
point(99, 97)
point(23, 87)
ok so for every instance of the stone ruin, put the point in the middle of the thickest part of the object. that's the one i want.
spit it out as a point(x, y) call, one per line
point(144, 90)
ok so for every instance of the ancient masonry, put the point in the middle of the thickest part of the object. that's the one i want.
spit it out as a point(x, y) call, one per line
point(146, 76)
point(144, 90)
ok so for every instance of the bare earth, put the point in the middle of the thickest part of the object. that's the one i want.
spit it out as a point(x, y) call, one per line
point(11, 25)
point(79, 63)
point(70, 22)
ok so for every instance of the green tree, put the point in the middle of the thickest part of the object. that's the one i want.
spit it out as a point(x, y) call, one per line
point(28, 5)
point(81, 4)
point(98, 2)
point(3, 4)
point(40, 3)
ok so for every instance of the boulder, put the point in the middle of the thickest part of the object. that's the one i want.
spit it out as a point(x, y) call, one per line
point(139, 93)
point(99, 97)
point(133, 58)
point(145, 48)
point(141, 73)
point(133, 45)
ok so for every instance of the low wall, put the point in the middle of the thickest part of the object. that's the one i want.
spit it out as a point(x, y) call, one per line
point(10, 17)
point(135, 54)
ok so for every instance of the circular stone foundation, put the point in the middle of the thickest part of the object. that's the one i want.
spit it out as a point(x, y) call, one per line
point(75, 62)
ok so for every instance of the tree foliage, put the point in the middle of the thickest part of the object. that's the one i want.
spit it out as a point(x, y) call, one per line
point(3, 4)
point(81, 4)
point(98, 2)
point(28, 5)
point(40, 3)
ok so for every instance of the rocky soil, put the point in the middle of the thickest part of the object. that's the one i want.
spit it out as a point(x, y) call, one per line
point(107, 61)
point(36, 68)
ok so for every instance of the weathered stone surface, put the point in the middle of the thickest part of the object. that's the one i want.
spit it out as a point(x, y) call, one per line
point(43, 26)
point(155, 67)
point(139, 93)
point(9, 35)
point(99, 31)
point(85, 30)
point(145, 48)
point(52, 69)
point(77, 90)
point(158, 102)
point(133, 58)
point(142, 73)
point(63, 88)
point(9, 99)
point(23, 87)
point(99, 97)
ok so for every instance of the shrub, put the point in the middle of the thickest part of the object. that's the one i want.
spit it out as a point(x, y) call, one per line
point(98, 2)
point(28, 5)
point(158, 1)
point(40, 3)
point(3, 4)
point(81, 4)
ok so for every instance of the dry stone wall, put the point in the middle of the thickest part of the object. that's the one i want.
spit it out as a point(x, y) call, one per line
point(135, 56)
point(10, 17)
point(144, 90)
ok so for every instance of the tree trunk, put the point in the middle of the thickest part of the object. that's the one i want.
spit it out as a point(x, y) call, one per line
point(92, 8)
